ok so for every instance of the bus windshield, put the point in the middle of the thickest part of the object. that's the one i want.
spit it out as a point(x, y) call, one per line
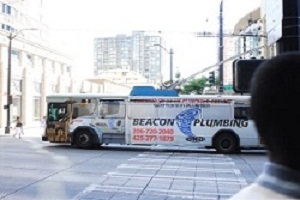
point(57, 111)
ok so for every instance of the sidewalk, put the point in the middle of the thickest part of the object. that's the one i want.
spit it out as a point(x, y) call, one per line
point(28, 132)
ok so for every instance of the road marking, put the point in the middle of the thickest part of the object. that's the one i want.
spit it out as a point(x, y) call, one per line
point(171, 174)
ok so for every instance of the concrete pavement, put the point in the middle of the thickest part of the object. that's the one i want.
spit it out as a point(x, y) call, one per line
point(168, 176)
point(163, 175)
point(28, 132)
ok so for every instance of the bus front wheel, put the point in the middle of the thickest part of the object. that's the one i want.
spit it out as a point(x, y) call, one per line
point(84, 139)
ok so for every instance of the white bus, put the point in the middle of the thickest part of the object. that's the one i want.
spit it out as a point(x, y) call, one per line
point(220, 122)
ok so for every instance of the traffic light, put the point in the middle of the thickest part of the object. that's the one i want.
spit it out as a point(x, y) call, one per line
point(242, 73)
point(212, 78)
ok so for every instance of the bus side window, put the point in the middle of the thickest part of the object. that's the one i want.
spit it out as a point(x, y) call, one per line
point(241, 113)
point(75, 112)
point(109, 108)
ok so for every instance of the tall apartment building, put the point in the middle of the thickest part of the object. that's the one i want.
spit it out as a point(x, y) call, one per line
point(136, 53)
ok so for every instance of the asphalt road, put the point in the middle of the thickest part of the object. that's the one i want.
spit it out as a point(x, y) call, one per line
point(31, 169)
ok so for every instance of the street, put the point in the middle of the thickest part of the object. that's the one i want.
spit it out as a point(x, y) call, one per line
point(32, 169)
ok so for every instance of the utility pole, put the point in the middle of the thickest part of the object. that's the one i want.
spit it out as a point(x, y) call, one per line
point(8, 95)
point(10, 37)
point(290, 40)
point(221, 48)
point(171, 65)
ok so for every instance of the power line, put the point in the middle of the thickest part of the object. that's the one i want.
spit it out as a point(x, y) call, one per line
point(213, 66)
point(210, 34)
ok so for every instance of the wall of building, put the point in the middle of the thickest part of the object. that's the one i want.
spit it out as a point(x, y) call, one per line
point(35, 72)
point(249, 33)
point(37, 68)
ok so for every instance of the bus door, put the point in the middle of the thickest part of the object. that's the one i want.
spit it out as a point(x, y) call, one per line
point(57, 123)
point(111, 116)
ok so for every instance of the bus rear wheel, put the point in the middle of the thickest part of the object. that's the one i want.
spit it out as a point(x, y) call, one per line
point(226, 143)
point(84, 139)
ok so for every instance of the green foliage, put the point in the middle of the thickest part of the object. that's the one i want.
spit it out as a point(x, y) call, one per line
point(195, 85)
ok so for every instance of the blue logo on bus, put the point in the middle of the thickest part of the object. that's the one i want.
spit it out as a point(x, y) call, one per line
point(184, 122)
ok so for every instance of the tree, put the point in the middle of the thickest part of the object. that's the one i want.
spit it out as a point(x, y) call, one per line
point(195, 85)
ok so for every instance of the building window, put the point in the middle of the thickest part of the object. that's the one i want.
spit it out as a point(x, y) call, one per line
point(17, 85)
point(68, 89)
point(54, 88)
point(16, 107)
point(15, 52)
point(52, 68)
point(28, 57)
point(62, 69)
point(36, 107)
point(6, 9)
point(37, 87)
point(7, 27)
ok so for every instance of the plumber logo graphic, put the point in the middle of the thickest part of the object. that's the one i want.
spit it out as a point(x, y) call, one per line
point(184, 122)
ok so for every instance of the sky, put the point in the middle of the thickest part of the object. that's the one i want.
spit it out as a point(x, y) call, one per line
point(77, 23)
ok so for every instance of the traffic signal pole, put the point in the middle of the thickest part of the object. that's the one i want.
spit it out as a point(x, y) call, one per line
point(290, 40)
point(221, 48)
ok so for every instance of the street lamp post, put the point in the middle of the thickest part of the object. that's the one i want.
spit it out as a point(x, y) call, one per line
point(171, 52)
point(11, 36)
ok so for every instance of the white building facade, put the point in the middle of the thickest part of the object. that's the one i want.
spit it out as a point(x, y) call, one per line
point(37, 68)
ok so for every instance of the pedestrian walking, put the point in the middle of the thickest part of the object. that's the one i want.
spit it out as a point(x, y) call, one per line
point(275, 109)
point(43, 122)
point(19, 128)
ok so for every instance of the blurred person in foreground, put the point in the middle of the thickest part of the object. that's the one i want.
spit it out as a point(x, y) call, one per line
point(275, 109)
